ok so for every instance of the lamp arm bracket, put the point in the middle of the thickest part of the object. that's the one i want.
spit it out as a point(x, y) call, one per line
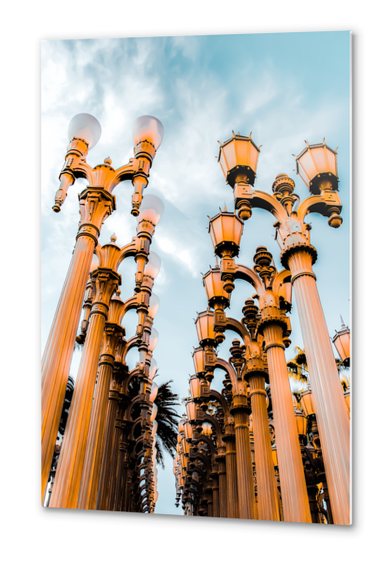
point(236, 326)
point(321, 204)
point(131, 342)
point(131, 304)
point(281, 277)
point(225, 366)
point(125, 172)
point(262, 200)
point(218, 396)
point(82, 170)
point(249, 275)
point(206, 439)
point(130, 249)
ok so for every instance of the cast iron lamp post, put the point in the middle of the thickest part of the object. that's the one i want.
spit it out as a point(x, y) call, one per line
point(341, 341)
point(240, 408)
point(274, 296)
point(317, 166)
point(96, 204)
point(106, 313)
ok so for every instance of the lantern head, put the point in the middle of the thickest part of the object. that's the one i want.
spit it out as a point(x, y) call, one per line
point(238, 158)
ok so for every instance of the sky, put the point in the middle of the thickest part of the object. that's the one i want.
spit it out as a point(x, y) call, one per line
point(283, 88)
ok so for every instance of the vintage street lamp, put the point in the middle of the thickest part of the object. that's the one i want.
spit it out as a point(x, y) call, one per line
point(204, 324)
point(341, 341)
point(96, 204)
point(205, 328)
point(217, 298)
point(199, 361)
point(225, 232)
point(147, 135)
point(147, 219)
point(317, 166)
point(195, 387)
point(238, 158)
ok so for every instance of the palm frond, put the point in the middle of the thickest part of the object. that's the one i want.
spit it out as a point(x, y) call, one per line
point(168, 421)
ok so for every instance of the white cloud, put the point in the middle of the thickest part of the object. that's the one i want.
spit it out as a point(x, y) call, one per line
point(186, 257)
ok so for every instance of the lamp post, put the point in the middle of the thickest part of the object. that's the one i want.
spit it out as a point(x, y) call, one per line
point(106, 280)
point(274, 296)
point(239, 409)
point(96, 204)
point(317, 166)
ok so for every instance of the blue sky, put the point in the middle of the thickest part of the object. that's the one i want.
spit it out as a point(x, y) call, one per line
point(284, 88)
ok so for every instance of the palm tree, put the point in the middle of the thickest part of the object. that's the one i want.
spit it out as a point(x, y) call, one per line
point(298, 371)
point(168, 420)
point(297, 368)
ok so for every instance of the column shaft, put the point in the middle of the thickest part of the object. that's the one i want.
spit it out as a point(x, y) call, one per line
point(103, 485)
point(216, 496)
point(223, 486)
point(231, 478)
point(113, 466)
point(93, 454)
point(246, 492)
point(59, 348)
point(292, 480)
point(120, 480)
point(267, 505)
point(331, 412)
point(68, 477)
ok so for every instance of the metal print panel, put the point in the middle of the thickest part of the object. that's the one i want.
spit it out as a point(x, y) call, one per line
point(196, 205)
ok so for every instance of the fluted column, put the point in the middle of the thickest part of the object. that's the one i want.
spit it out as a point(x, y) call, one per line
point(221, 461)
point(209, 499)
point(93, 455)
point(112, 409)
point(330, 406)
point(95, 205)
point(292, 480)
point(246, 492)
point(312, 491)
point(231, 473)
point(68, 479)
point(114, 463)
point(267, 505)
point(216, 493)
point(120, 479)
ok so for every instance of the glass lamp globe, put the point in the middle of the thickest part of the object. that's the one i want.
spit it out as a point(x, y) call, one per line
point(153, 306)
point(154, 392)
point(153, 266)
point(151, 209)
point(153, 368)
point(153, 339)
point(85, 126)
point(148, 128)
point(154, 412)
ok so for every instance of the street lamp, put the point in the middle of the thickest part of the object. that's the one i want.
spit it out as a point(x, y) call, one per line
point(316, 164)
point(238, 158)
point(96, 204)
point(341, 341)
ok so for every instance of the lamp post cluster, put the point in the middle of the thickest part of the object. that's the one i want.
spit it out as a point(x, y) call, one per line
point(219, 469)
point(107, 458)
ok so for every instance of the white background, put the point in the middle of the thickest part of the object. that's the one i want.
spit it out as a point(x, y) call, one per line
point(32, 532)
